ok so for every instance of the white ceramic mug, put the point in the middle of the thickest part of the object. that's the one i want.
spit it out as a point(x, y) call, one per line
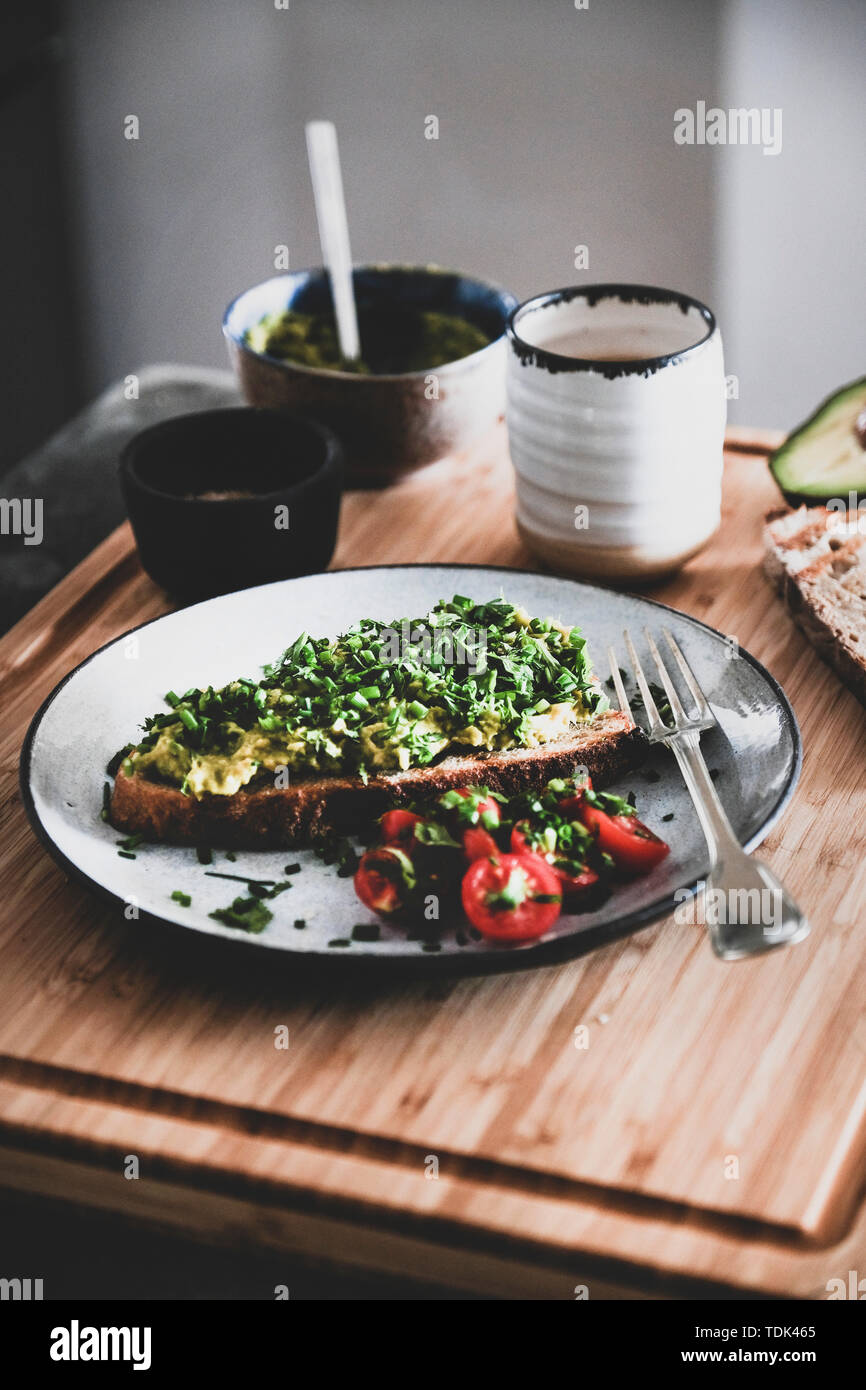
point(616, 420)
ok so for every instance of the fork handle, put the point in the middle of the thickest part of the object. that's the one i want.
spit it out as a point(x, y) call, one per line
point(763, 911)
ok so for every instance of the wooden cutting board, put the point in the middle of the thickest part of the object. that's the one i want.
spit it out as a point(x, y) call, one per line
point(710, 1134)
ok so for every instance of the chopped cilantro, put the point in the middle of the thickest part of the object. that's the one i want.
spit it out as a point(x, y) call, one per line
point(246, 914)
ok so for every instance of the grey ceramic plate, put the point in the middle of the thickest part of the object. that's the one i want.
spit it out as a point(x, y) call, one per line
point(98, 707)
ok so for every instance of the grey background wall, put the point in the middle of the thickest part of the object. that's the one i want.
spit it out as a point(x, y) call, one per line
point(556, 129)
point(791, 268)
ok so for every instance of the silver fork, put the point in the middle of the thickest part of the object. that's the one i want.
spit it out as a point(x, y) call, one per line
point(764, 913)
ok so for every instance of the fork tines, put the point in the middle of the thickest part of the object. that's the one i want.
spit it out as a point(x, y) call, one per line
point(703, 716)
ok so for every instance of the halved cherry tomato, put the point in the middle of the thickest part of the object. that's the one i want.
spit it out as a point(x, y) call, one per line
point(570, 805)
point(519, 841)
point(478, 843)
point(526, 840)
point(578, 889)
point(577, 881)
point(398, 827)
point(633, 847)
point(385, 879)
point(511, 897)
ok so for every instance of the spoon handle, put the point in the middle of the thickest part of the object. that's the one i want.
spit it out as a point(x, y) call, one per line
point(324, 158)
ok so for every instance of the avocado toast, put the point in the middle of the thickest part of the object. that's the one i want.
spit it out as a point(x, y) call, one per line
point(339, 729)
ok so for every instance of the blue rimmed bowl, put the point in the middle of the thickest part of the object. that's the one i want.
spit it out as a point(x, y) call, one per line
point(388, 425)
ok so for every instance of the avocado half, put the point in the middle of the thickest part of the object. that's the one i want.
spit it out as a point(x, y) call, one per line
point(825, 457)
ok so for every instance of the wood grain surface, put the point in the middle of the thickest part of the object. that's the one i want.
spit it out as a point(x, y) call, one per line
point(711, 1134)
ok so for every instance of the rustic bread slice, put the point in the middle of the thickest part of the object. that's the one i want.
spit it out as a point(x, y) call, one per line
point(817, 560)
point(270, 817)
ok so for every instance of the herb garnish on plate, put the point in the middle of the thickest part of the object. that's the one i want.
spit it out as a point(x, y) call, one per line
point(379, 698)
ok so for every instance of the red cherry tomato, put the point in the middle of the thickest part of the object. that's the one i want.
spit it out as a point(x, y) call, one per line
point(398, 827)
point(511, 897)
point(478, 843)
point(577, 888)
point(520, 843)
point(633, 847)
point(570, 805)
point(384, 880)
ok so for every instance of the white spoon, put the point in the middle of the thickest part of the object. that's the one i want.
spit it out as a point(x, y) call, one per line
point(324, 160)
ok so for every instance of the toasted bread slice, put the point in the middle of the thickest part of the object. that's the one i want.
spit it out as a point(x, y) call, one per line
point(817, 560)
point(271, 817)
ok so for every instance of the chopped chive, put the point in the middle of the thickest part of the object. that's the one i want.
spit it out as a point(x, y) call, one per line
point(292, 869)
point(119, 759)
point(126, 854)
point(366, 931)
point(464, 665)
point(231, 856)
point(183, 898)
point(106, 801)
point(132, 842)
point(340, 941)
point(669, 816)
point(242, 878)
point(300, 923)
point(204, 855)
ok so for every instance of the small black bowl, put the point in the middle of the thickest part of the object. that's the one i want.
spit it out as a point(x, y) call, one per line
point(227, 499)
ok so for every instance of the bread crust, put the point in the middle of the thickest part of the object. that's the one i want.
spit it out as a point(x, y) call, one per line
point(816, 559)
point(272, 818)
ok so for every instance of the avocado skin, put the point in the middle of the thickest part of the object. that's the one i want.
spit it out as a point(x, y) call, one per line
point(783, 462)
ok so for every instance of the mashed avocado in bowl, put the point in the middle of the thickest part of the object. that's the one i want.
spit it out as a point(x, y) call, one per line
point(431, 380)
point(392, 341)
